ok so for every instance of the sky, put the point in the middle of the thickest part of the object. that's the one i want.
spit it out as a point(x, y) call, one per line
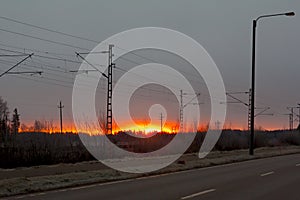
point(223, 28)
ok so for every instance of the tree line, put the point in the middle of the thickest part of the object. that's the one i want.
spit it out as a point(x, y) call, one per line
point(8, 124)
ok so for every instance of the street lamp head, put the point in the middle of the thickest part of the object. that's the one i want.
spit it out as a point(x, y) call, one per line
point(290, 14)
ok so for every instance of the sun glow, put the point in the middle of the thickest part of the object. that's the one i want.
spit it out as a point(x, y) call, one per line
point(148, 129)
point(139, 128)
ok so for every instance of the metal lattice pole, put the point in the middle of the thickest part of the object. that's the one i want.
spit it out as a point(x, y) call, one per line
point(181, 112)
point(109, 91)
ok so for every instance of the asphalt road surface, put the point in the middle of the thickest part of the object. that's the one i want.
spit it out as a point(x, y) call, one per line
point(270, 178)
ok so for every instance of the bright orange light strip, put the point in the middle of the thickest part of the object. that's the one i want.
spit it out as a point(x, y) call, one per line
point(140, 128)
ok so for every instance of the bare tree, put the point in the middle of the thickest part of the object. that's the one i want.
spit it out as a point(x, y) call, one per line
point(102, 120)
point(3, 118)
point(38, 126)
point(3, 109)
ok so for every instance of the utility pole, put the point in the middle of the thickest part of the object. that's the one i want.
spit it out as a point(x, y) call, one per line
point(181, 112)
point(109, 91)
point(292, 115)
point(60, 115)
point(249, 110)
point(238, 100)
point(182, 106)
point(291, 121)
point(161, 122)
point(109, 77)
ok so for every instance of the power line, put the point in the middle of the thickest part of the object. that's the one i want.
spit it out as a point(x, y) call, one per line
point(239, 101)
point(78, 54)
point(262, 112)
point(63, 81)
point(8, 55)
point(65, 72)
point(73, 36)
point(46, 78)
point(42, 39)
point(26, 72)
point(109, 76)
point(28, 66)
point(36, 50)
point(41, 81)
point(15, 65)
point(70, 35)
point(67, 34)
point(47, 29)
point(43, 67)
point(152, 79)
point(41, 56)
point(148, 59)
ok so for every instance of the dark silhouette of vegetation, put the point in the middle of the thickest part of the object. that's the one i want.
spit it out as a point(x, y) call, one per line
point(34, 148)
point(4, 126)
point(141, 145)
point(15, 122)
point(39, 147)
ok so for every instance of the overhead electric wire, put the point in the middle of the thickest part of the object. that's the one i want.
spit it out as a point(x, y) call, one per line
point(41, 68)
point(28, 66)
point(41, 56)
point(18, 63)
point(56, 80)
point(47, 29)
point(36, 50)
point(10, 55)
point(69, 35)
point(28, 77)
point(43, 39)
point(53, 68)
point(91, 65)
point(66, 34)
point(74, 36)
point(78, 37)
point(59, 59)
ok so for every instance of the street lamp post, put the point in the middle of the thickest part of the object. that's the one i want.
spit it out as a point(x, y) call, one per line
point(254, 25)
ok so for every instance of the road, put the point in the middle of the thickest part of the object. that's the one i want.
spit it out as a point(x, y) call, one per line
point(270, 178)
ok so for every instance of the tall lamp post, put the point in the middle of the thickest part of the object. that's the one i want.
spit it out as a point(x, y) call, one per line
point(251, 146)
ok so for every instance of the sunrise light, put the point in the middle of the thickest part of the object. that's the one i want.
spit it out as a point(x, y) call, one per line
point(148, 129)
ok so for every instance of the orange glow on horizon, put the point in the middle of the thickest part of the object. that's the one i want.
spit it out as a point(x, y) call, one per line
point(140, 128)
point(149, 129)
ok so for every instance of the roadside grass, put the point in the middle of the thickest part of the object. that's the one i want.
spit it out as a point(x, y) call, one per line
point(24, 185)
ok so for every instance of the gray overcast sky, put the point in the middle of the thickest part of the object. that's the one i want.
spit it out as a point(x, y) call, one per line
point(222, 27)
